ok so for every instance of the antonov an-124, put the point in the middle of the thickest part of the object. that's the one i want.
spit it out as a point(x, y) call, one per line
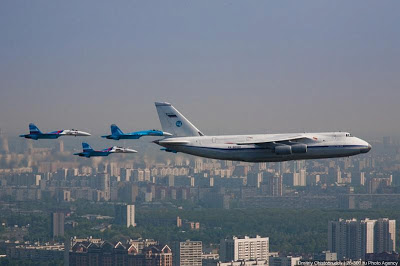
point(186, 138)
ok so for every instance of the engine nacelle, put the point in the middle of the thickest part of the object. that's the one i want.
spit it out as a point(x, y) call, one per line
point(299, 148)
point(283, 150)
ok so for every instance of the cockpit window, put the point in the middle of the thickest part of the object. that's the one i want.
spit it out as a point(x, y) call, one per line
point(348, 135)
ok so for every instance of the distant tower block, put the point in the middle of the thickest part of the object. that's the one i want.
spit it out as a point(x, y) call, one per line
point(30, 147)
point(61, 146)
point(57, 224)
point(4, 143)
point(125, 215)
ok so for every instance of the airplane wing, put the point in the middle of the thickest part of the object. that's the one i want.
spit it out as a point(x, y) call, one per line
point(274, 140)
point(172, 142)
point(56, 132)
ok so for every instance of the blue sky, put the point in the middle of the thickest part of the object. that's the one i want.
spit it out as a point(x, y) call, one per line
point(229, 66)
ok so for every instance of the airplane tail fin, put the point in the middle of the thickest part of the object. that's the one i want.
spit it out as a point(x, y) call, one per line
point(86, 147)
point(174, 122)
point(34, 129)
point(115, 130)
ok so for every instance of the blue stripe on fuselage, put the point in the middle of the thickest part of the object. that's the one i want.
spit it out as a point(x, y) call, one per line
point(259, 148)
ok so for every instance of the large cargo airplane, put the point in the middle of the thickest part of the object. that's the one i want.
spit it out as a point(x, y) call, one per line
point(35, 133)
point(186, 138)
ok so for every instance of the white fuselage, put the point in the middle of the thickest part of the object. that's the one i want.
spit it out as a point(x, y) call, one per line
point(231, 147)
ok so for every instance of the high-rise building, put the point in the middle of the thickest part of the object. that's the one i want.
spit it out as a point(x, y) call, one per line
point(188, 253)
point(339, 176)
point(125, 174)
point(61, 146)
point(4, 143)
point(147, 175)
point(138, 175)
point(103, 184)
point(275, 185)
point(352, 239)
point(303, 177)
point(299, 178)
point(385, 235)
point(235, 249)
point(57, 224)
point(358, 178)
point(125, 215)
point(299, 165)
point(254, 179)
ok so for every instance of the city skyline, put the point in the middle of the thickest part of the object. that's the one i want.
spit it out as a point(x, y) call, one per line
point(273, 71)
point(273, 67)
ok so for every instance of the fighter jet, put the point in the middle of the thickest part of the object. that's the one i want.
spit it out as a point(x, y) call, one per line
point(253, 148)
point(89, 152)
point(117, 134)
point(35, 133)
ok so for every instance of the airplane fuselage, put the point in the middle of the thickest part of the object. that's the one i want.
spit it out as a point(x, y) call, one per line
point(93, 154)
point(125, 136)
point(318, 146)
point(41, 136)
point(36, 134)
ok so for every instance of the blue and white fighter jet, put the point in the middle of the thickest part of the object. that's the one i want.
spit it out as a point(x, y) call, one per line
point(89, 152)
point(35, 133)
point(117, 134)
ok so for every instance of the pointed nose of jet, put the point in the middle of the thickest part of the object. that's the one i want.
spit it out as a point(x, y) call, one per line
point(366, 149)
point(130, 150)
point(81, 133)
point(166, 134)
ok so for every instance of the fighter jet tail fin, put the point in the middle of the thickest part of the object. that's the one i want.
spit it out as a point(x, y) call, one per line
point(34, 129)
point(86, 147)
point(174, 122)
point(115, 130)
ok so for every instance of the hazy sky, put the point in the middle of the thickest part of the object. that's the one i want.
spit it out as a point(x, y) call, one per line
point(229, 66)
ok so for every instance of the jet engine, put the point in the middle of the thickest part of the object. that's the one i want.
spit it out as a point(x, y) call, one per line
point(283, 150)
point(299, 148)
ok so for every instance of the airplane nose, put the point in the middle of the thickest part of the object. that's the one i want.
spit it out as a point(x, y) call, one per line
point(366, 149)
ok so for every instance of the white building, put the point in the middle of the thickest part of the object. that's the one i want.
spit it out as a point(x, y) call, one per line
point(188, 253)
point(125, 215)
point(246, 249)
